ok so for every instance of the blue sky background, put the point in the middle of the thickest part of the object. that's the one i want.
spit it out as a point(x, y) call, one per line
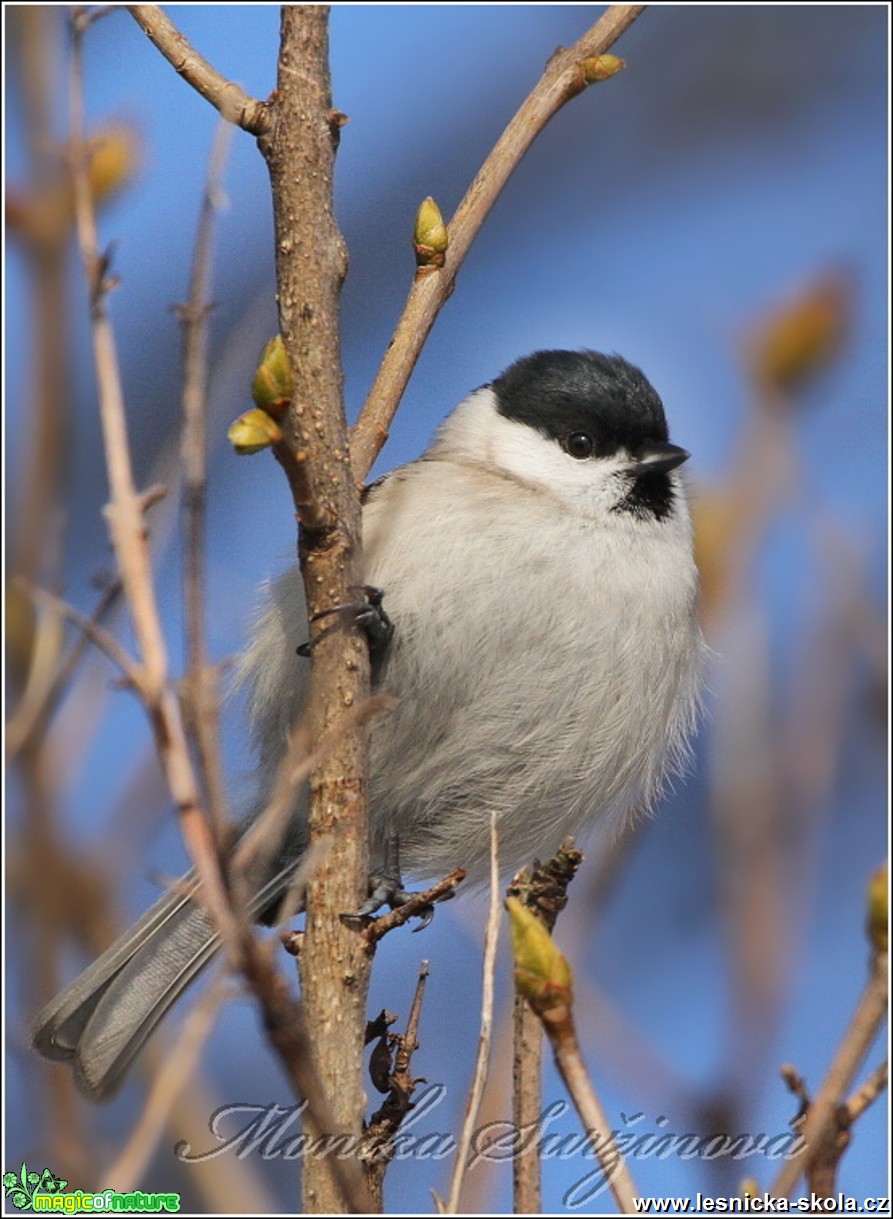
point(741, 154)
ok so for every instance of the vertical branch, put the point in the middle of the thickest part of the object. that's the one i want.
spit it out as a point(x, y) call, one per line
point(45, 233)
point(543, 889)
point(527, 1105)
point(482, 1062)
point(310, 267)
point(36, 533)
point(200, 684)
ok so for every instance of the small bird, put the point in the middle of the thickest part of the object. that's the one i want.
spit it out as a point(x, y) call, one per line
point(536, 566)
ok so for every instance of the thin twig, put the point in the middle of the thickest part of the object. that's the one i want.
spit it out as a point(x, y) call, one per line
point(39, 520)
point(865, 1096)
point(409, 1042)
point(234, 104)
point(88, 14)
point(378, 1138)
point(857, 1040)
point(821, 1172)
point(491, 940)
point(544, 976)
point(559, 1027)
point(561, 80)
point(415, 906)
point(90, 629)
point(200, 684)
point(47, 682)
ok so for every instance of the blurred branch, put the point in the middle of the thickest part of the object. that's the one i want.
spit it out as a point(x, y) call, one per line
point(89, 14)
point(37, 529)
point(90, 629)
point(44, 236)
point(767, 791)
point(234, 104)
point(172, 1076)
point(821, 1175)
point(48, 680)
point(857, 1040)
point(567, 73)
point(200, 684)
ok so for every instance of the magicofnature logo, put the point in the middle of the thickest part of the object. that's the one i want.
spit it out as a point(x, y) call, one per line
point(21, 1188)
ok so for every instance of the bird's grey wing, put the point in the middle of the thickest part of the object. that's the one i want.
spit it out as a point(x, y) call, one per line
point(60, 1025)
point(101, 1020)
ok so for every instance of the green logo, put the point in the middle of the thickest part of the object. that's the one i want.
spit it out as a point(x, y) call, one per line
point(45, 1192)
point(21, 1189)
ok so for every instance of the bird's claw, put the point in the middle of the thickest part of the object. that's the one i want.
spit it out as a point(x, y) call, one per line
point(386, 889)
point(369, 614)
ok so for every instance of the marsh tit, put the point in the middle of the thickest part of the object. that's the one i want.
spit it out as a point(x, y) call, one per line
point(536, 564)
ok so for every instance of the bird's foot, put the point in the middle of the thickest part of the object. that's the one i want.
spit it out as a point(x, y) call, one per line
point(386, 889)
point(369, 614)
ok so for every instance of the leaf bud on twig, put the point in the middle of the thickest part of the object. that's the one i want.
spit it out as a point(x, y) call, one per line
point(601, 67)
point(430, 238)
point(253, 431)
point(878, 910)
point(542, 973)
point(273, 385)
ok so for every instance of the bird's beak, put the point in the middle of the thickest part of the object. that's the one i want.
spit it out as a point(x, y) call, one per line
point(659, 457)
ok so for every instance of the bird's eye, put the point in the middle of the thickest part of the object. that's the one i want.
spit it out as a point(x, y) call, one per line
point(578, 444)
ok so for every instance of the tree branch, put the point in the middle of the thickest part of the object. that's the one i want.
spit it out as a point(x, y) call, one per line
point(377, 928)
point(543, 889)
point(200, 692)
point(399, 1082)
point(90, 629)
point(544, 977)
point(310, 267)
point(563, 78)
point(863, 1028)
point(234, 104)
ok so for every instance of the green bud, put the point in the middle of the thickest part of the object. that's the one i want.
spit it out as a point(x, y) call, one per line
point(878, 910)
point(600, 67)
point(542, 973)
point(430, 238)
point(253, 431)
point(273, 385)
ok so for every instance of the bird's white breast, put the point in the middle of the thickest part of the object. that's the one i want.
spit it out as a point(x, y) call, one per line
point(540, 671)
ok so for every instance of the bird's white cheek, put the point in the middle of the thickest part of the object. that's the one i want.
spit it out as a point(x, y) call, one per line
point(589, 487)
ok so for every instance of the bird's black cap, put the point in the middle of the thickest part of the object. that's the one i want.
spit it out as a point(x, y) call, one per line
point(564, 392)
